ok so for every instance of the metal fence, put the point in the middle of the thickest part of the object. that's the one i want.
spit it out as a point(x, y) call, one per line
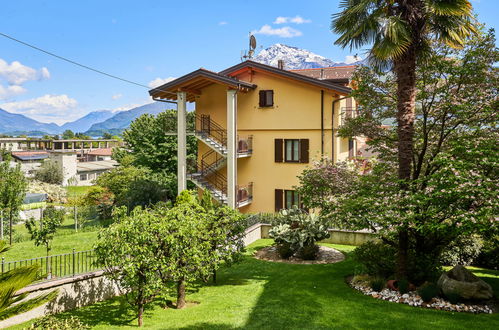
point(57, 266)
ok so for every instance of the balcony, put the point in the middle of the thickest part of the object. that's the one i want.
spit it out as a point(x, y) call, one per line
point(244, 195)
point(244, 146)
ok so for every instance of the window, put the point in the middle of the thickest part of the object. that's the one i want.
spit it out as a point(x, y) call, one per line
point(291, 150)
point(83, 177)
point(291, 198)
point(266, 98)
point(286, 199)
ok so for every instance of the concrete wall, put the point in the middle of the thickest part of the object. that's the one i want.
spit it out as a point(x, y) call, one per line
point(67, 162)
point(73, 293)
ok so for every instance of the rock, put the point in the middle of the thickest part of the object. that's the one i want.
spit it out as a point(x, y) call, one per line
point(405, 296)
point(461, 281)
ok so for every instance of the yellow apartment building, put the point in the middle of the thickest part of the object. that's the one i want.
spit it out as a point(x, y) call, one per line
point(258, 127)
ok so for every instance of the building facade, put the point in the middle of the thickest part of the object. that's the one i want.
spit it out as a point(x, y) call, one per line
point(258, 127)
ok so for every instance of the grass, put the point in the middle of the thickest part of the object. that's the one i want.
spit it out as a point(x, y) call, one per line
point(64, 241)
point(257, 294)
point(78, 190)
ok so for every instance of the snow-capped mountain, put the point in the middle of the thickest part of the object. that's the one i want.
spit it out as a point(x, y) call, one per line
point(294, 58)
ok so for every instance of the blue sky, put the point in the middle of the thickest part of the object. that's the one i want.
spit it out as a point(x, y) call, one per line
point(143, 41)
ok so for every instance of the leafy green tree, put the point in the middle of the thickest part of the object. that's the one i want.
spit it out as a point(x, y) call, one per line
point(452, 190)
point(149, 145)
point(13, 187)
point(14, 280)
point(107, 136)
point(68, 135)
point(401, 33)
point(43, 232)
point(129, 250)
point(49, 172)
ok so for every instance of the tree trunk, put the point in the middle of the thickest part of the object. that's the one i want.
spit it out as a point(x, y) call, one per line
point(140, 312)
point(181, 294)
point(10, 226)
point(405, 69)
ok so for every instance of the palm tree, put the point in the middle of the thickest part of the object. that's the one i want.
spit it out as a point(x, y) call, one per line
point(14, 280)
point(399, 32)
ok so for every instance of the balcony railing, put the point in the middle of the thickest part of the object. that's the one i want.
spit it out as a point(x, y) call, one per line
point(244, 194)
point(245, 145)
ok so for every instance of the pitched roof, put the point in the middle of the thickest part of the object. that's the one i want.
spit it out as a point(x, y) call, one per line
point(195, 81)
point(100, 165)
point(333, 73)
point(288, 74)
point(30, 155)
point(101, 152)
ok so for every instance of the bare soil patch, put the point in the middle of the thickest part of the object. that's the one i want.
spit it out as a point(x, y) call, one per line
point(326, 255)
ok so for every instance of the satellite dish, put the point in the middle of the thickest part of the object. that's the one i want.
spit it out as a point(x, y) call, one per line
point(252, 42)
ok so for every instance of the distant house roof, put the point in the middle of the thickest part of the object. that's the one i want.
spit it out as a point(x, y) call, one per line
point(337, 73)
point(101, 165)
point(30, 155)
point(101, 152)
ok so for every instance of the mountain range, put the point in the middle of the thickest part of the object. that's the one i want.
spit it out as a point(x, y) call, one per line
point(296, 58)
point(97, 123)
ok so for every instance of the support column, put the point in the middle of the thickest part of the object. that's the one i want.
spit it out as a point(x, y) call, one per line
point(181, 142)
point(231, 148)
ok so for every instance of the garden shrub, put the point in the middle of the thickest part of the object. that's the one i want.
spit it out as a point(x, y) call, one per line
point(361, 280)
point(403, 286)
point(489, 256)
point(453, 297)
point(377, 258)
point(462, 251)
point(309, 252)
point(377, 284)
point(300, 231)
point(428, 291)
point(284, 250)
point(53, 323)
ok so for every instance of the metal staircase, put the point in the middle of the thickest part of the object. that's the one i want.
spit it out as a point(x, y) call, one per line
point(205, 174)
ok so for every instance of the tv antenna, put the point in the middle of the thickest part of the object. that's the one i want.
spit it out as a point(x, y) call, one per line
point(248, 55)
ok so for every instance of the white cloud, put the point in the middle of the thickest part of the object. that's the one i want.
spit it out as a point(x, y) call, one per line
point(10, 91)
point(297, 20)
point(117, 96)
point(284, 32)
point(222, 23)
point(16, 73)
point(160, 81)
point(47, 108)
point(352, 58)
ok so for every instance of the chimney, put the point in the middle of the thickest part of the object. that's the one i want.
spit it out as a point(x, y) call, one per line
point(280, 64)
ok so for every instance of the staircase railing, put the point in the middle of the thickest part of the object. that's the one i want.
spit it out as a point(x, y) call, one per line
point(210, 162)
point(207, 127)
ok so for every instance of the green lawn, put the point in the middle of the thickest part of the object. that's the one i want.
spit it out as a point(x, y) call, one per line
point(78, 190)
point(65, 240)
point(258, 294)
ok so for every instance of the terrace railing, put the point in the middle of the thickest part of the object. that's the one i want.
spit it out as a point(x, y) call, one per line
point(57, 266)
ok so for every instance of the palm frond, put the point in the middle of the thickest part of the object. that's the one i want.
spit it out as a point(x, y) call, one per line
point(449, 7)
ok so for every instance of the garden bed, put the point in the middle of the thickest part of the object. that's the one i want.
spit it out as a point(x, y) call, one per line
point(326, 255)
point(412, 298)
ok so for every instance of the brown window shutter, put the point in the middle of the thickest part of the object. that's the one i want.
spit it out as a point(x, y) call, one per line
point(269, 102)
point(262, 98)
point(278, 152)
point(304, 151)
point(278, 199)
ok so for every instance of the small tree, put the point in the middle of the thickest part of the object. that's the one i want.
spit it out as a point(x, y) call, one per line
point(49, 172)
point(226, 232)
point(13, 188)
point(129, 250)
point(43, 233)
point(68, 135)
